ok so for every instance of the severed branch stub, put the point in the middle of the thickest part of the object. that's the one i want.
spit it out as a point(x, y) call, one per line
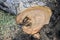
point(33, 19)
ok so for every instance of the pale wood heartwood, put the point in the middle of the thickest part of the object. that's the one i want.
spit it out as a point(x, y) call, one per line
point(34, 18)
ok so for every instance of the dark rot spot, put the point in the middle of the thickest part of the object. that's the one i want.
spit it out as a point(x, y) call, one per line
point(26, 22)
point(25, 19)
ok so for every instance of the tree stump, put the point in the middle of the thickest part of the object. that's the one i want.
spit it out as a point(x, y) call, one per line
point(33, 19)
